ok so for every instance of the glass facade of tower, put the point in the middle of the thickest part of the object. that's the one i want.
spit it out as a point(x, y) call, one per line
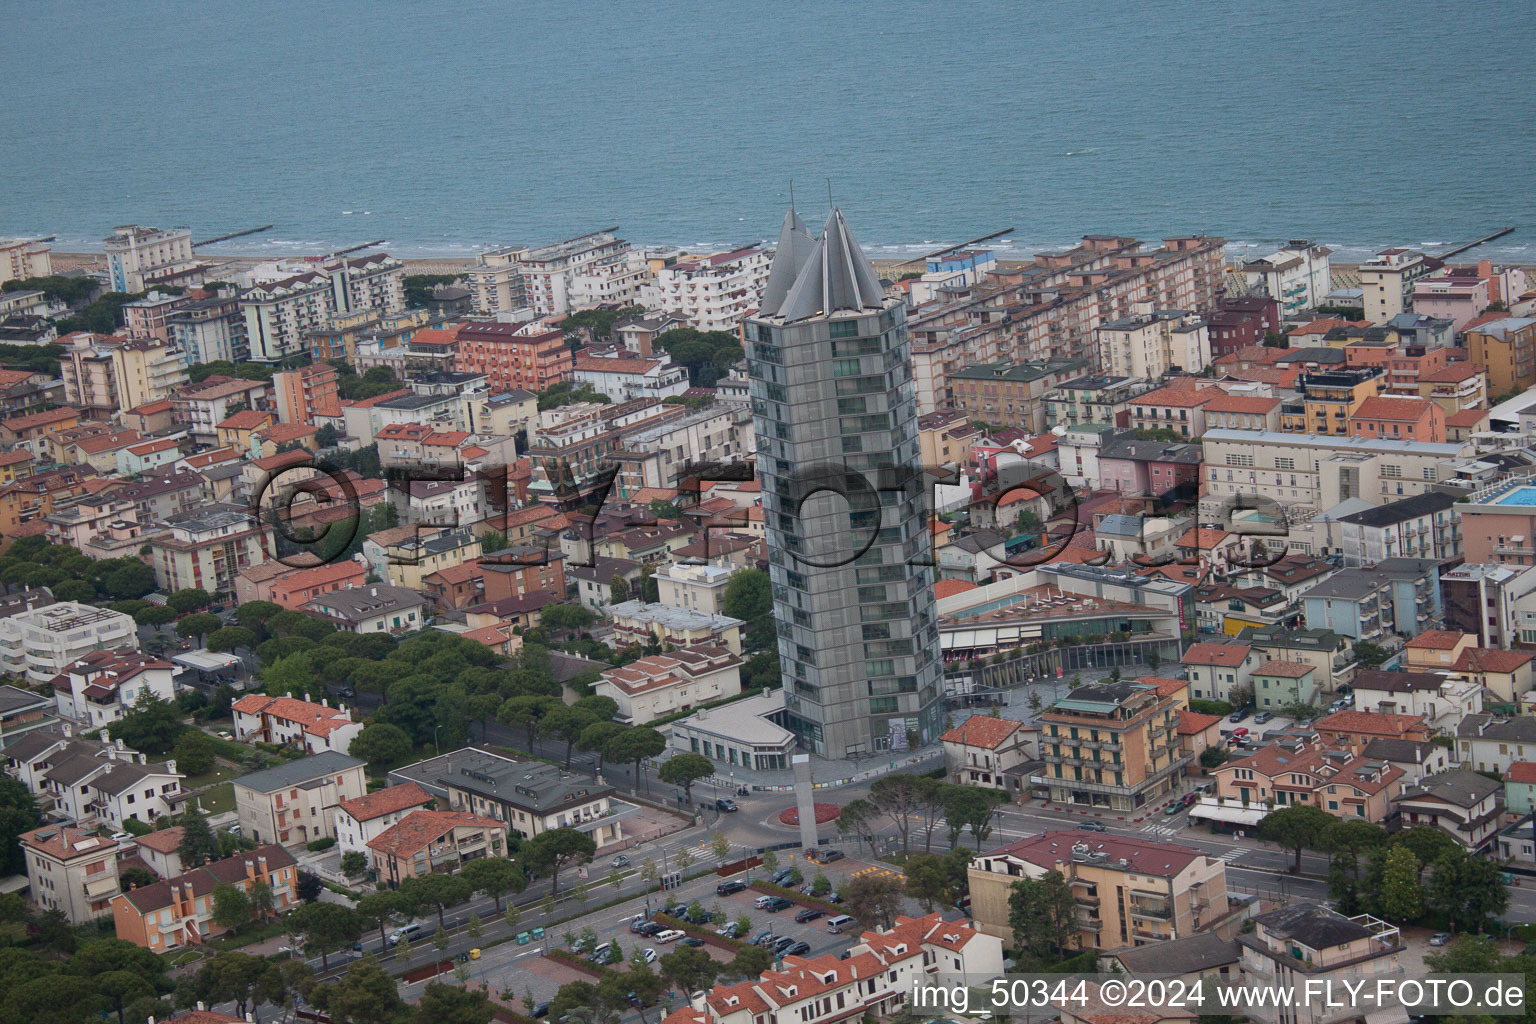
point(845, 510)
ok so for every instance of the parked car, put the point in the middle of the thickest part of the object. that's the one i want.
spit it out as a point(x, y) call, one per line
point(1174, 807)
point(677, 910)
point(600, 954)
point(689, 940)
point(1238, 715)
point(620, 861)
point(783, 875)
point(763, 901)
point(650, 929)
point(122, 837)
point(783, 942)
point(1190, 799)
point(1306, 723)
point(798, 949)
point(1263, 716)
point(725, 803)
point(832, 897)
point(764, 937)
point(726, 888)
point(828, 856)
point(1439, 938)
point(809, 914)
point(700, 916)
point(729, 929)
point(670, 935)
point(409, 931)
point(1092, 826)
point(777, 904)
point(541, 1010)
point(1240, 731)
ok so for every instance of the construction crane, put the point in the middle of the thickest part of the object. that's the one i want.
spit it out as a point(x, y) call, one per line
point(234, 234)
point(952, 248)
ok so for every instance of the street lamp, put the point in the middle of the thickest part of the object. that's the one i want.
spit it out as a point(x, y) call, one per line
point(435, 748)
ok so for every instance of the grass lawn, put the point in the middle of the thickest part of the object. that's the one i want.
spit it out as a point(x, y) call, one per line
point(221, 773)
point(218, 798)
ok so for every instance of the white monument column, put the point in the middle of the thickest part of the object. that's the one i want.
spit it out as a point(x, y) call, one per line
point(805, 800)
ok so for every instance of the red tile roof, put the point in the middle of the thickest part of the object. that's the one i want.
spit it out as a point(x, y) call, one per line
point(1225, 655)
point(1437, 640)
point(1521, 771)
point(167, 840)
point(1283, 669)
point(1145, 858)
point(387, 801)
point(247, 419)
point(1380, 407)
point(417, 829)
point(1192, 723)
point(982, 731)
point(1488, 659)
point(1370, 723)
point(1466, 418)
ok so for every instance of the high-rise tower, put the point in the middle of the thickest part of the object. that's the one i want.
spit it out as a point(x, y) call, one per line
point(843, 499)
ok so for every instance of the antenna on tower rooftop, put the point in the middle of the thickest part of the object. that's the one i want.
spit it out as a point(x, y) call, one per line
point(829, 193)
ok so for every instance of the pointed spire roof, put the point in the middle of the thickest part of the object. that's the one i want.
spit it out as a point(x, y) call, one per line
point(836, 276)
point(795, 245)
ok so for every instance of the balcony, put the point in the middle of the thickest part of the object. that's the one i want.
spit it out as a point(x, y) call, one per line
point(100, 886)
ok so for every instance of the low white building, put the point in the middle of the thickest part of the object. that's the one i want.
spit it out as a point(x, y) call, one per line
point(41, 642)
point(1461, 803)
point(101, 687)
point(713, 292)
point(749, 732)
point(281, 721)
point(376, 608)
point(1442, 701)
point(622, 377)
point(361, 820)
point(700, 587)
point(93, 783)
point(662, 684)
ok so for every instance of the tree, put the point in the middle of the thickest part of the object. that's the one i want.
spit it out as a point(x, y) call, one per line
point(550, 851)
point(1297, 827)
point(198, 843)
point(749, 962)
point(526, 712)
point(260, 895)
point(896, 796)
point(495, 877)
point(1213, 757)
point(230, 976)
point(151, 726)
point(381, 745)
point(597, 737)
point(228, 638)
point(874, 900)
point(684, 770)
point(513, 916)
point(447, 1004)
point(690, 969)
point(1468, 890)
point(635, 746)
point(364, 995)
point(1349, 838)
point(194, 752)
point(308, 887)
point(326, 927)
point(18, 814)
point(199, 626)
point(437, 892)
point(573, 995)
point(379, 909)
point(253, 615)
point(1402, 897)
point(1427, 842)
point(1369, 655)
point(441, 940)
point(1042, 917)
point(184, 602)
point(719, 845)
point(231, 906)
point(483, 708)
point(857, 818)
point(971, 808)
point(353, 864)
point(927, 881)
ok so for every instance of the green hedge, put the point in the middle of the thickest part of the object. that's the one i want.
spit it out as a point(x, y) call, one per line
point(1210, 707)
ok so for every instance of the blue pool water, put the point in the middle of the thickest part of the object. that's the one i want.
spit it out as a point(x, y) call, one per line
point(1525, 494)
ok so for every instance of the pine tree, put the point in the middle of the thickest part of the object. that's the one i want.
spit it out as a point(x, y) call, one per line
point(1402, 897)
point(197, 841)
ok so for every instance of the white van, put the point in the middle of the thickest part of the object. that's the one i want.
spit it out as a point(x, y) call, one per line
point(840, 924)
point(410, 931)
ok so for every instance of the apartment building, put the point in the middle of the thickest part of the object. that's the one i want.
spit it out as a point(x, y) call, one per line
point(992, 753)
point(287, 721)
point(1305, 944)
point(643, 623)
point(1398, 595)
point(42, 642)
point(1220, 671)
point(1498, 523)
point(495, 282)
point(375, 608)
point(1243, 412)
point(1178, 406)
point(1443, 702)
point(661, 454)
point(571, 456)
point(692, 585)
point(208, 546)
point(21, 259)
point(1127, 892)
point(1407, 419)
point(1328, 399)
point(278, 313)
point(103, 375)
point(1050, 308)
point(139, 256)
point(662, 684)
point(1293, 772)
point(528, 356)
point(554, 276)
point(209, 330)
point(1297, 276)
point(1423, 526)
point(1462, 294)
point(93, 783)
point(1099, 398)
point(1455, 388)
point(1459, 802)
point(1152, 343)
point(179, 911)
point(202, 407)
point(622, 377)
point(374, 282)
point(1111, 745)
point(1506, 349)
point(1005, 393)
point(530, 796)
point(712, 292)
point(71, 871)
point(362, 820)
point(1387, 282)
point(306, 393)
point(295, 802)
point(1494, 603)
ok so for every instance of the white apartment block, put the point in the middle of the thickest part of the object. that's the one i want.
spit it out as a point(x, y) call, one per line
point(21, 259)
point(1298, 276)
point(103, 686)
point(1153, 343)
point(623, 377)
point(550, 271)
point(288, 721)
point(367, 282)
point(1313, 472)
point(137, 255)
point(361, 820)
point(713, 292)
point(278, 313)
point(657, 456)
point(700, 587)
point(496, 281)
point(71, 870)
point(42, 642)
point(619, 280)
point(1386, 282)
point(662, 684)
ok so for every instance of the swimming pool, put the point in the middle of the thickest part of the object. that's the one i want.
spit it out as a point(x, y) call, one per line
point(1524, 494)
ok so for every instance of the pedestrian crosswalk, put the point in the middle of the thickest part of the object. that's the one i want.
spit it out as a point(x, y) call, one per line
point(1159, 830)
point(1231, 856)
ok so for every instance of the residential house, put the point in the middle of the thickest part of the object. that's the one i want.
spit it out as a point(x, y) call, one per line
point(1440, 700)
point(101, 687)
point(427, 842)
point(1220, 671)
point(1459, 802)
point(1280, 684)
point(179, 911)
point(662, 684)
point(1417, 759)
point(360, 821)
point(1491, 743)
point(207, 547)
point(1302, 945)
point(991, 753)
point(284, 721)
point(1293, 772)
point(294, 803)
point(375, 608)
point(1399, 595)
point(70, 870)
point(1352, 730)
point(161, 851)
